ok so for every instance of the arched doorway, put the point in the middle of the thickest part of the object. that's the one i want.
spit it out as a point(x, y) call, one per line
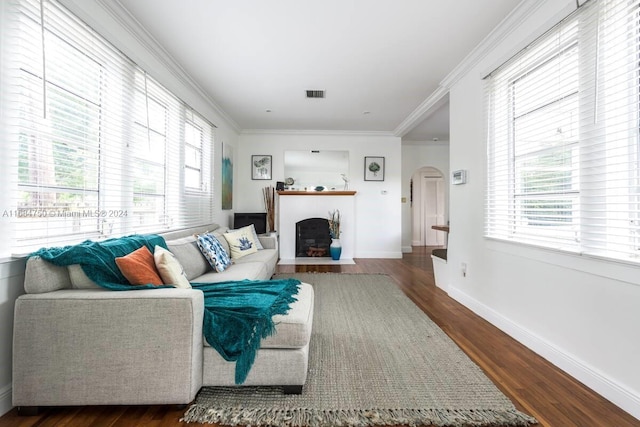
point(428, 207)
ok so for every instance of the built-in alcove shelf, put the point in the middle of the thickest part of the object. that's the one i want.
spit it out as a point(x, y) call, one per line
point(316, 193)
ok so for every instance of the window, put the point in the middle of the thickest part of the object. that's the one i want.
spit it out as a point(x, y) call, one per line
point(193, 143)
point(562, 134)
point(96, 147)
point(148, 152)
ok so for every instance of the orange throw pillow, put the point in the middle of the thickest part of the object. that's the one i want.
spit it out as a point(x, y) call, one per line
point(139, 267)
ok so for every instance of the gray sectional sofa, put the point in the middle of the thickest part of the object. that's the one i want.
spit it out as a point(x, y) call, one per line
point(76, 343)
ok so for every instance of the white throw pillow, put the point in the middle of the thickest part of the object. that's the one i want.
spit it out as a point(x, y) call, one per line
point(170, 269)
point(255, 236)
point(241, 242)
point(251, 228)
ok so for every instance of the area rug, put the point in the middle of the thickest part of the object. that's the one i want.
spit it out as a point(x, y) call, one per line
point(375, 359)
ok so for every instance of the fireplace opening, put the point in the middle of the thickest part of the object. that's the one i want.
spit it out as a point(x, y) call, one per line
point(313, 238)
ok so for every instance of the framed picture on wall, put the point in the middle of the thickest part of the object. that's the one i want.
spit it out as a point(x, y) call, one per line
point(260, 167)
point(373, 168)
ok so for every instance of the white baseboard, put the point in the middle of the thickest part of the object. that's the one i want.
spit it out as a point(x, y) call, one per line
point(407, 249)
point(588, 375)
point(5, 399)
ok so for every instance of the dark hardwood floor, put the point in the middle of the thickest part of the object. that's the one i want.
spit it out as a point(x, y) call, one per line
point(534, 385)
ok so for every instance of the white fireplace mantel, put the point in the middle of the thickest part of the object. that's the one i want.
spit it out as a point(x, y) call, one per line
point(294, 206)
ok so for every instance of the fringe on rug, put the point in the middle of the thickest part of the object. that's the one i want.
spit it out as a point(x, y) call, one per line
point(355, 418)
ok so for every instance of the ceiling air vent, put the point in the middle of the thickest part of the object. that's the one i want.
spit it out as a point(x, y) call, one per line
point(315, 94)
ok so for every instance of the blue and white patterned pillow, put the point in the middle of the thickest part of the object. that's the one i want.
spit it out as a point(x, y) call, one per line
point(213, 252)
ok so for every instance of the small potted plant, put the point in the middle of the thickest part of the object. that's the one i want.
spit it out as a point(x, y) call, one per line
point(334, 230)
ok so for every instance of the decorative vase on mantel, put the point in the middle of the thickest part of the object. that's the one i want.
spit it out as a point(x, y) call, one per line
point(335, 249)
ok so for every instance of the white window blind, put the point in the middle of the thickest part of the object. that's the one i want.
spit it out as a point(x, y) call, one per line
point(97, 147)
point(562, 136)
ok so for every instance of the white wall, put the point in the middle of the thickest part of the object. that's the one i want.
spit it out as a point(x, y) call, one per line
point(581, 313)
point(416, 155)
point(145, 53)
point(378, 215)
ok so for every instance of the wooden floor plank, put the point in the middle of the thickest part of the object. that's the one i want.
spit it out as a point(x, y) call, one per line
point(531, 382)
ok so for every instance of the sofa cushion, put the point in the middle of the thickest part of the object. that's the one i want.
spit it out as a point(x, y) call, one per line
point(139, 267)
point(219, 234)
point(246, 271)
point(241, 242)
point(268, 241)
point(213, 251)
point(188, 254)
point(79, 279)
point(269, 256)
point(41, 276)
point(170, 269)
point(293, 330)
point(186, 232)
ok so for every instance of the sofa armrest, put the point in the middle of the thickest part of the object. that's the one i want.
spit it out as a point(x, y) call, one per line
point(269, 242)
point(90, 347)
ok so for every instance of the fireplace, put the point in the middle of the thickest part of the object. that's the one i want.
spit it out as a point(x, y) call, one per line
point(296, 206)
point(312, 237)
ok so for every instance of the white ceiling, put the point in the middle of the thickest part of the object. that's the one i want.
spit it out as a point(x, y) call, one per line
point(384, 57)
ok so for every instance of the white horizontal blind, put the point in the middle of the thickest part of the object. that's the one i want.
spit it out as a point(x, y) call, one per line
point(98, 147)
point(563, 136)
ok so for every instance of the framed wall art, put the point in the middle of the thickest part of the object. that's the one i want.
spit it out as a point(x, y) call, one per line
point(261, 167)
point(373, 168)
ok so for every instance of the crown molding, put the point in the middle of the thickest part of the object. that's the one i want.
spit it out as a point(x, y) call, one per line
point(135, 29)
point(423, 111)
point(316, 132)
point(506, 27)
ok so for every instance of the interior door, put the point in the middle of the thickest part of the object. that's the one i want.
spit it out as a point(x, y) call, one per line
point(432, 209)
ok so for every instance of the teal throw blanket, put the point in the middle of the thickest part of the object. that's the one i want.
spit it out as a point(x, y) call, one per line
point(98, 259)
point(237, 315)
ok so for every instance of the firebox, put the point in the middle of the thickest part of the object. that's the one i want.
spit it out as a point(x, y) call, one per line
point(313, 238)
